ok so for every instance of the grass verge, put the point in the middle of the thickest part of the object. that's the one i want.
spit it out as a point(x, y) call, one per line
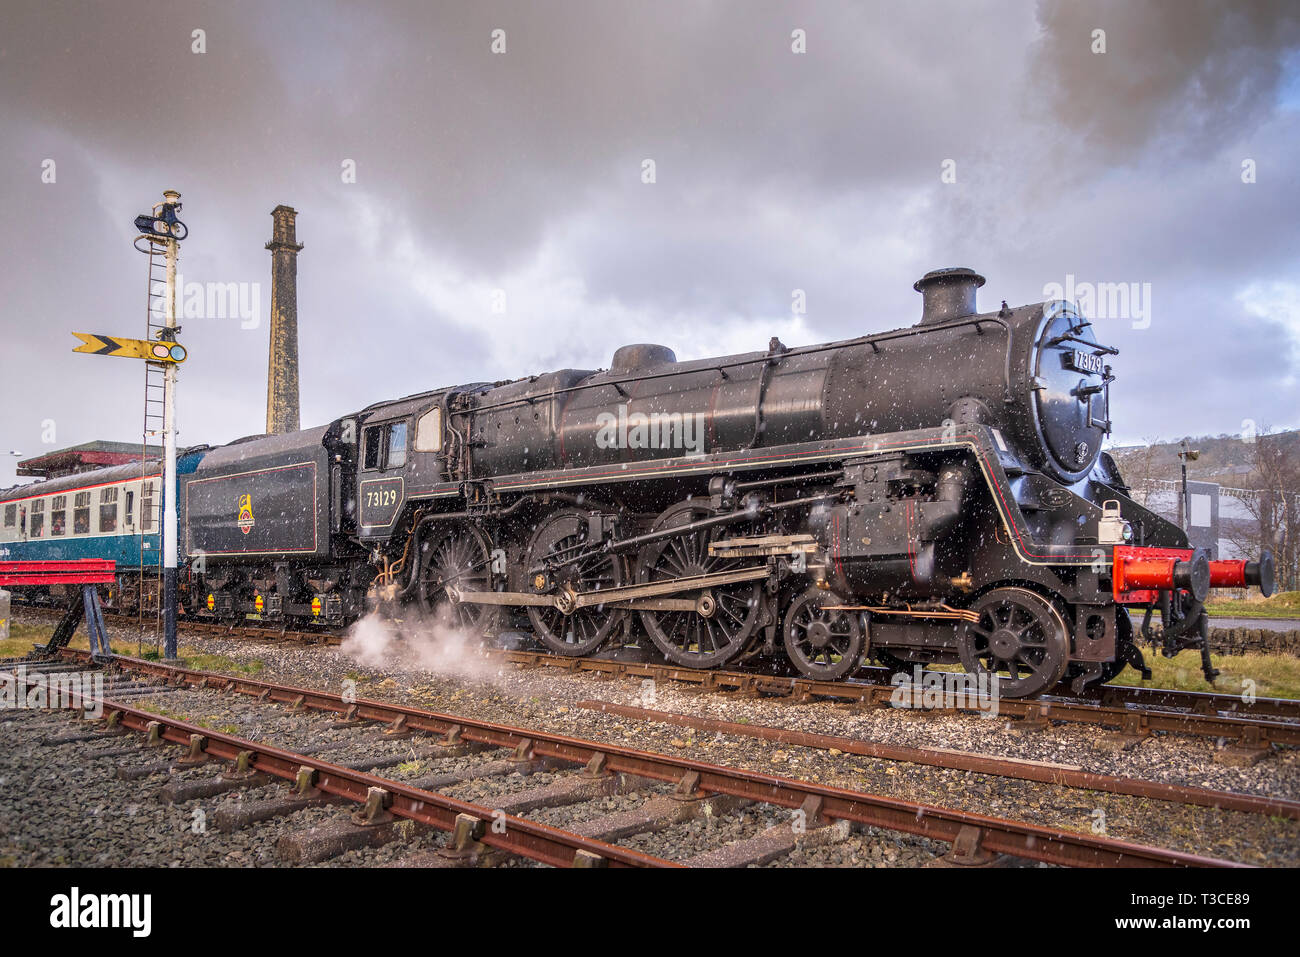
point(1284, 604)
point(1273, 676)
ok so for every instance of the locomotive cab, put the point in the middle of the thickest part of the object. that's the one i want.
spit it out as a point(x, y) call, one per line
point(402, 454)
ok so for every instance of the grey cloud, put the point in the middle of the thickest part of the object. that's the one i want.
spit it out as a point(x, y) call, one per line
point(775, 172)
point(1195, 71)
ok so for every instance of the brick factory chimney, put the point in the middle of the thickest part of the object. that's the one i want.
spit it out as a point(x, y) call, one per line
point(282, 371)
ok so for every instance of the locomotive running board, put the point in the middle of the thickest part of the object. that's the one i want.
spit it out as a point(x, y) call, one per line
point(623, 596)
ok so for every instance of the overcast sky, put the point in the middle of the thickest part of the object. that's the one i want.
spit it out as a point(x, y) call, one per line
point(517, 177)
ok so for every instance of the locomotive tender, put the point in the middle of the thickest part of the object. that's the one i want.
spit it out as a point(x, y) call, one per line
point(936, 493)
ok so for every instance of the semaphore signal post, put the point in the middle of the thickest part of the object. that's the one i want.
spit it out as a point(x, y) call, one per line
point(159, 228)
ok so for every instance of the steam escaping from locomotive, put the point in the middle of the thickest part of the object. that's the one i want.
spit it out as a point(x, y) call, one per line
point(417, 644)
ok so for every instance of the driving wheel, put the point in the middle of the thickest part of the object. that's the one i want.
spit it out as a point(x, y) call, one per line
point(717, 630)
point(551, 570)
point(458, 557)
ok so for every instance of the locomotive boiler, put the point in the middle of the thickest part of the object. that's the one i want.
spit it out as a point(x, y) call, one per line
point(935, 493)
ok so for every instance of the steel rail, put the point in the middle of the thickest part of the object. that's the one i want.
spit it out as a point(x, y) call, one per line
point(1037, 771)
point(1209, 723)
point(1196, 701)
point(1206, 714)
point(530, 839)
point(996, 835)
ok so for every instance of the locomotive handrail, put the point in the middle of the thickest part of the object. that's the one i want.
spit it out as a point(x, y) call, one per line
point(1071, 337)
point(975, 320)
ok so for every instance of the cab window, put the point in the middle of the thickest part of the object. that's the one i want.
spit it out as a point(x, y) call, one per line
point(38, 518)
point(396, 445)
point(374, 447)
point(385, 446)
point(11, 515)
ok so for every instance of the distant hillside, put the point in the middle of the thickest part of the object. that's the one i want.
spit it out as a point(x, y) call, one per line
point(1226, 459)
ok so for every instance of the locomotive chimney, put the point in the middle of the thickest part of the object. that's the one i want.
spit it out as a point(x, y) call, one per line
point(282, 370)
point(947, 294)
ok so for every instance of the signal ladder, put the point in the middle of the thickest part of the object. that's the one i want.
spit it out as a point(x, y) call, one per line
point(151, 503)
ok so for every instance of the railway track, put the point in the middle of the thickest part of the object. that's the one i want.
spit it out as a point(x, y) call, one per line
point(686, 786)
point(1253, 725)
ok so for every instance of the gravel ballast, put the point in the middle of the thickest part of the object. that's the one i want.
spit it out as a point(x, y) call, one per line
point(477, 687)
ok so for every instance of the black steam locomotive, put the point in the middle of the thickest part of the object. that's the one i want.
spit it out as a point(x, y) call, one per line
point(936, 493)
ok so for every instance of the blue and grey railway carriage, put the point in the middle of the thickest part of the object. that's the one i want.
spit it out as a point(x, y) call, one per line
point(113, 513)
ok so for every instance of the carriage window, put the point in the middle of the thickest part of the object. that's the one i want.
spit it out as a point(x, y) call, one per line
point(428, 432)
point(38, 518)
point(108, 509)
point(81, 513)
point(59, 515)
point(146, 507)
point(374, 440)
point(11, 515)
point(130, 509)
point(396, 445)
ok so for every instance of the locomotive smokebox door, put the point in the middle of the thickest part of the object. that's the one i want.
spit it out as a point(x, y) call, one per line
point(1071, 383)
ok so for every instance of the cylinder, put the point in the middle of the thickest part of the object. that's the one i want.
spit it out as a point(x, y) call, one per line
point(1242, 574)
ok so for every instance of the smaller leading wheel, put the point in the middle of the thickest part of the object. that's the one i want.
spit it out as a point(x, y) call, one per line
point(823, 642)
point(1020, 637)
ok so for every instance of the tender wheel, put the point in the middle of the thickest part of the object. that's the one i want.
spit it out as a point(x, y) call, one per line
point(586, 629)
point(460, 557)
point(822, 643)
point(688, 637)
point(1020, 636)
